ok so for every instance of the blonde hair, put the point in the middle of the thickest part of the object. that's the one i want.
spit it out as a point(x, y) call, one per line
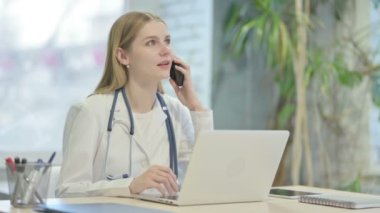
point(123, 32)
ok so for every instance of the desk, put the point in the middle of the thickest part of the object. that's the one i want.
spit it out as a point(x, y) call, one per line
point(271, 205)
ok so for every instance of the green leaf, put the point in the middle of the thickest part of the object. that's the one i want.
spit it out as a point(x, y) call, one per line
point(286, 82)
point(284, 43)
point(273, 38)
point(345, 76)
point(262, 22)
point(354, 186)
point(241, 38)
point(350, 78)
point(232, 18)
point(285, 114)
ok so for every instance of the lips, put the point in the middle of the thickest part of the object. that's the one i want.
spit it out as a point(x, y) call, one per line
point(163, 63)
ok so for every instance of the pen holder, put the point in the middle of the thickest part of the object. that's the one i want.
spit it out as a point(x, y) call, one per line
point(28, 184)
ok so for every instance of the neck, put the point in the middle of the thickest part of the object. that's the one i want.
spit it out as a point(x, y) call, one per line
point(141, 97)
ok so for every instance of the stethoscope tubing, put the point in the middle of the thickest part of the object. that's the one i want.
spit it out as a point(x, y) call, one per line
point(169, 128)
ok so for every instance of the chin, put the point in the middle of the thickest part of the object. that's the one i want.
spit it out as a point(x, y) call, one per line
point(162, 73)
point(165, 75)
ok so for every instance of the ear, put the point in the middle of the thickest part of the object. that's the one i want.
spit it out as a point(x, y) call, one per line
point(122, 56)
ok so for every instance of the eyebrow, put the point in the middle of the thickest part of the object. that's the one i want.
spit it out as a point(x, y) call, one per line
point(155, 37)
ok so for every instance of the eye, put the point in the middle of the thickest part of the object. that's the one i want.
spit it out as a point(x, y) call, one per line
point(151, 43)
point(168, 41)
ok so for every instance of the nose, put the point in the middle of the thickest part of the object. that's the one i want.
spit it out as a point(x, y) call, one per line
point(165, 50)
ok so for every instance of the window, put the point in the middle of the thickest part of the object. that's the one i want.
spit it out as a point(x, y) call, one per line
point(51, 55)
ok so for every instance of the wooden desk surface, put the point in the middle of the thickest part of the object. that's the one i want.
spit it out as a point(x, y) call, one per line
point(271, 205)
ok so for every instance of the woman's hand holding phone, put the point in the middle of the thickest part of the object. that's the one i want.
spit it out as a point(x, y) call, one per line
point(185, 93)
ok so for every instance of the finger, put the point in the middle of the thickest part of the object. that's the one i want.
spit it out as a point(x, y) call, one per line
point(162, 169)
point(166, 170)
point(172, 174)
point(186, 73)
point(169, 181)
point(174, 85)
point(169, 188)
point(182, 70)
point(174, 186)
point(159, 168)
point(173, 181)
point(169, 184)
point(161, 177)
point(181, 63)
point(160, 188)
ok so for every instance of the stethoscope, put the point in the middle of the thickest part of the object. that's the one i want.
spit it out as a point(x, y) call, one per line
point(169, 128)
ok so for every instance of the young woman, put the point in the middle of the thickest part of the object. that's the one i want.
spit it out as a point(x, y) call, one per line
point(126, 137)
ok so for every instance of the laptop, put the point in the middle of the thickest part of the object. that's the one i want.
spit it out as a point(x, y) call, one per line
point(229, 166)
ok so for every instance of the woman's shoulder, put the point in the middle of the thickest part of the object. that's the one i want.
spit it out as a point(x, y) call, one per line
point(98, 99)
point(95, 103)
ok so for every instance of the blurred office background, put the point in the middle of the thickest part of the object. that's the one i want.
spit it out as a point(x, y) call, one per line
point(52, 55)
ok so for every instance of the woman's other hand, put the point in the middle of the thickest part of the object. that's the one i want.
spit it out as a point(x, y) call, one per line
point(159, 177)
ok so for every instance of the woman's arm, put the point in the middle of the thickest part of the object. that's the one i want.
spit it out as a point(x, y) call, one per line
point(80, 143)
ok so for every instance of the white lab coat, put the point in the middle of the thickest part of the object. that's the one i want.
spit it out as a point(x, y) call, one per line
point(85, 144)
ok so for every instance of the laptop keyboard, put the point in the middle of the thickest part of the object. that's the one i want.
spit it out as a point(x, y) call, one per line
point(171, 197)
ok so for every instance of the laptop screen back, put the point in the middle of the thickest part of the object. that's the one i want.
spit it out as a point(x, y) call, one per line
point(232, 166)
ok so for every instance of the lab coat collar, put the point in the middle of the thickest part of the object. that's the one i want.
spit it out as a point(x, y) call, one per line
point(121, 112)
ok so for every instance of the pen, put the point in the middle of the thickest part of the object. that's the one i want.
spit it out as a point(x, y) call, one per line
point(49, 162)
point(17, 163)
point(19, 185)
point(23, 163)
point(51, 158)
point(11, 164)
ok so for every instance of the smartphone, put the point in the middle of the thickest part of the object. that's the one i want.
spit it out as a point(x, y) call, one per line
point(176, 75)
point(288, 194)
